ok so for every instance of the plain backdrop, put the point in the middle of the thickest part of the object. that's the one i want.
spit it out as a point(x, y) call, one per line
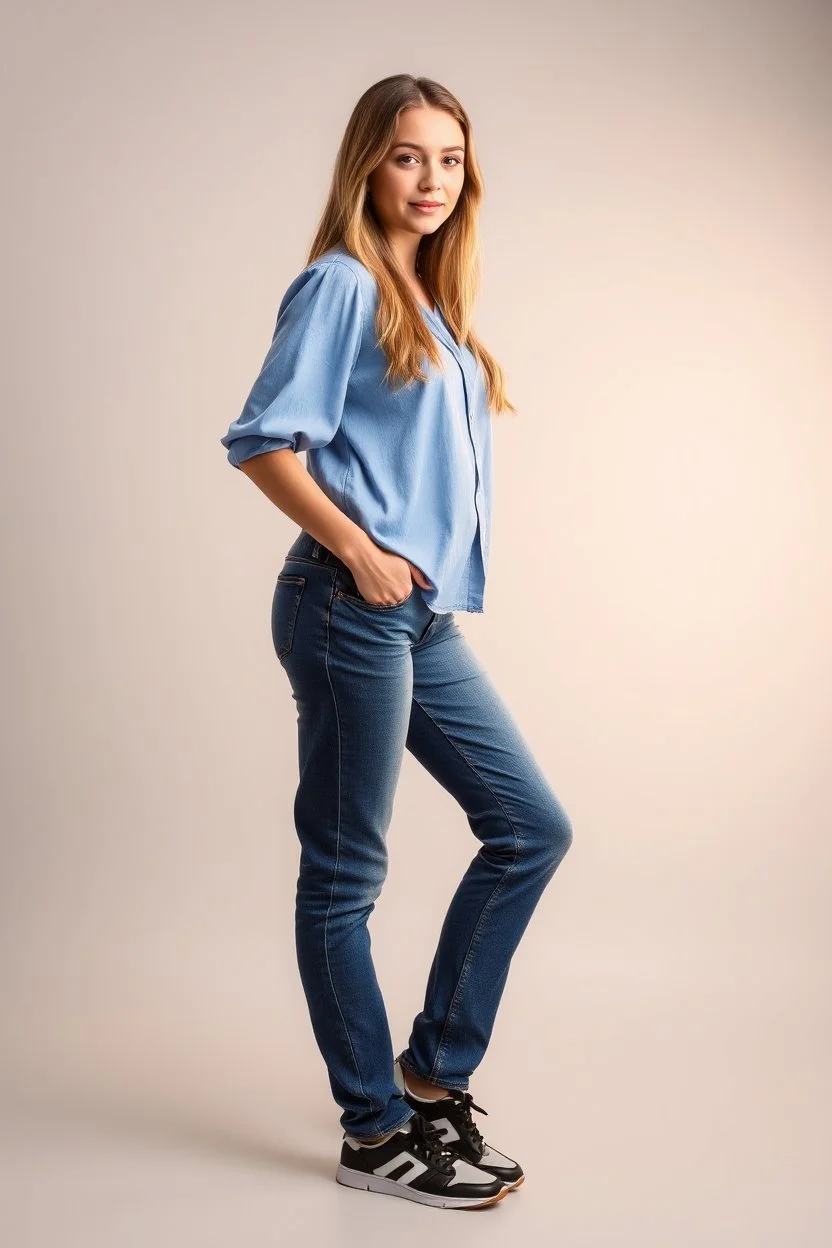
point(656, 282)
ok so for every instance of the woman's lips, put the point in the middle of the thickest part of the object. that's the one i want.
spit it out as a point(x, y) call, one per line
point(427, 207)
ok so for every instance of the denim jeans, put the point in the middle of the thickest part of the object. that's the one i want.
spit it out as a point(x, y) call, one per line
point(369, 682)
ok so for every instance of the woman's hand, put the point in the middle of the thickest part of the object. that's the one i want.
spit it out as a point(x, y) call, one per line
point(384, 578)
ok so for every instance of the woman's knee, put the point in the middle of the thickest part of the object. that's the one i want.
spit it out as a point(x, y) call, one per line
point(553, 833)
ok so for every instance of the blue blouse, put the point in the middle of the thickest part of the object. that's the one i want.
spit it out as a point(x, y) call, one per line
point(412, 466)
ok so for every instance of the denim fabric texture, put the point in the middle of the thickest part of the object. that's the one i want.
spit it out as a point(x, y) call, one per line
point(411, 465)
point(369, 682)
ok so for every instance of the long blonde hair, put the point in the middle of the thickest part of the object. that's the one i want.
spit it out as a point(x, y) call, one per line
point(447, 261)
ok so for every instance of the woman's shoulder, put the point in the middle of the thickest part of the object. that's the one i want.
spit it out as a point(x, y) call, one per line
point(337, 276)
point(339, 265)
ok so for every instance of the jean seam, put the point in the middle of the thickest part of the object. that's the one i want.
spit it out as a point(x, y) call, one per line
point(300, 582)
point(497, 887)
point(335, 870)
point(316, 563)
point(427, 633)
point(375, 606)
point(395, 1127)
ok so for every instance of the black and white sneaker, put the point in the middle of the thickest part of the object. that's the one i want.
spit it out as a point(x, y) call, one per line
point(451, 1116)
point(415, 1164)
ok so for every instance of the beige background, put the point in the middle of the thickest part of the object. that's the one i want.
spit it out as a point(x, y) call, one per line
point(656, 244)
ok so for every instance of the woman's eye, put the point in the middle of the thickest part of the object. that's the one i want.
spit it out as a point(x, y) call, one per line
point(410, 156)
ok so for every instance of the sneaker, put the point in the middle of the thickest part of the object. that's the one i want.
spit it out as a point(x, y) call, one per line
point(415, 1164)
point(451, 1116)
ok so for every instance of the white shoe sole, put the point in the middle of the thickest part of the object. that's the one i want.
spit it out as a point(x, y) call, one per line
point(390, 1187)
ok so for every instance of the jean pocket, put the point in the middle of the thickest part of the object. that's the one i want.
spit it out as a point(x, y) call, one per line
point(287, 595)
point(346, 588)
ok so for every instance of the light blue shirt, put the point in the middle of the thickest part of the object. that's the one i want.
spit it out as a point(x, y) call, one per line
point(412, 466)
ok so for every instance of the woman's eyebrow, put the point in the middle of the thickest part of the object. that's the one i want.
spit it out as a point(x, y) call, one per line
point(456, 148)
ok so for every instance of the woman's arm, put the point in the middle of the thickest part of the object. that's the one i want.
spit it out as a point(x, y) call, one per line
point(382, 577)
point(285, 481)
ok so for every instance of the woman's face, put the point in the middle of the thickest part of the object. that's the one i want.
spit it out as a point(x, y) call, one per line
point(425, 162)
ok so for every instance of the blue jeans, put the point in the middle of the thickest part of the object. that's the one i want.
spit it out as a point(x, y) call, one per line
point(370, 681)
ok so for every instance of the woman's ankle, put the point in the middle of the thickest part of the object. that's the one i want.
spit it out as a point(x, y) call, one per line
point(421, 1088)
point(372, 1140)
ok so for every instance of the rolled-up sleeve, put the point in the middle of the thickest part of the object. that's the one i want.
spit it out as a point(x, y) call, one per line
point(298, 397)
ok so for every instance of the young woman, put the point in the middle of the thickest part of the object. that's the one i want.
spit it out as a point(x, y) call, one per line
point(374, 371)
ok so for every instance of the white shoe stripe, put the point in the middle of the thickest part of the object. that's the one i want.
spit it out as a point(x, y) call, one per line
point(417, 1168)
point(449, 1131)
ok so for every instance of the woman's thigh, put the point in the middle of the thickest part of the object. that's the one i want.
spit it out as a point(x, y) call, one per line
point(371, 681)
point(350, 668)
point(464, 734)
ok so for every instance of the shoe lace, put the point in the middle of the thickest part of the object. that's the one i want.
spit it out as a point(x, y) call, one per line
point(465, 1103)
point(429, 1142)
